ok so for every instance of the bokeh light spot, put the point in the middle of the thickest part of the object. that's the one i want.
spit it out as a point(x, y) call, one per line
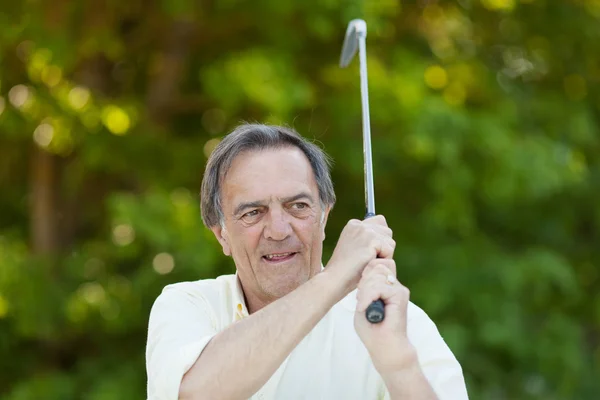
point(51, 75)
point(116, 120)
point(41, 57)
point(18, 95)
point(436, 77)
point(499, 5)
point(43, 134)
point(79, 97)
point(455, 94)
point(123, 234)
point(93, 293)
point(163, 263)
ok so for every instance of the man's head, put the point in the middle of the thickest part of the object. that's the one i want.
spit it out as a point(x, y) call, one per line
point(266, 195)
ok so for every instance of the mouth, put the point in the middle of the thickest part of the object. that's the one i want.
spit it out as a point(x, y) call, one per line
point(278, 258)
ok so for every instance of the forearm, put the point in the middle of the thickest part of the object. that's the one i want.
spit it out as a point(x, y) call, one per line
point(408, 382)
point(252, 349)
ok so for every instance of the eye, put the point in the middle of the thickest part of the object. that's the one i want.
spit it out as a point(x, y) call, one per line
point(299, 206)
point(250, 214)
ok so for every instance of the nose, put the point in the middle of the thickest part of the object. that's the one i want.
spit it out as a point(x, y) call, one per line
point(277, 225)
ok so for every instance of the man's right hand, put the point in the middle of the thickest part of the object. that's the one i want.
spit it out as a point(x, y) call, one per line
point(359, 243)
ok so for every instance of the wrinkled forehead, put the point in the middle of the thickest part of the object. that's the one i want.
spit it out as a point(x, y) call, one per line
point(258, 175)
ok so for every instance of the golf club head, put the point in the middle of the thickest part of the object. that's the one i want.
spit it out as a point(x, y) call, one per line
point(356, 27)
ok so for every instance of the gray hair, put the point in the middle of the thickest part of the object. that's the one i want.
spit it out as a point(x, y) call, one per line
point(248, 137)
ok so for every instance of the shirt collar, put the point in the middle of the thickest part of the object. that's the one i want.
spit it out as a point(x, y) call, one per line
point(239, 303)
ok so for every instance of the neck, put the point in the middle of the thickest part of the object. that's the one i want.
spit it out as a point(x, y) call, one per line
point(256, 302)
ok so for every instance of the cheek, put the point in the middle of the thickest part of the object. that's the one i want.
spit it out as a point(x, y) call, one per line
point(247, 238)
point(311, 232)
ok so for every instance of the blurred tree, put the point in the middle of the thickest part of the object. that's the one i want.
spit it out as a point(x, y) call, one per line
point(487, 166)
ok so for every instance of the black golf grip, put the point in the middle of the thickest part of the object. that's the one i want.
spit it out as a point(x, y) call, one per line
point(376, 311)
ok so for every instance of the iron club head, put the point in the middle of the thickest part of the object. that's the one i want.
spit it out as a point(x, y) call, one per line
point(356, 28)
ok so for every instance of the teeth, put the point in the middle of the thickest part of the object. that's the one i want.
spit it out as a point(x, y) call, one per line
point(272, 256)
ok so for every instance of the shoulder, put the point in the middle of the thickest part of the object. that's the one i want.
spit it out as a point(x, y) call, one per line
point(194, 292)
point(419, 324)
point(414, 313)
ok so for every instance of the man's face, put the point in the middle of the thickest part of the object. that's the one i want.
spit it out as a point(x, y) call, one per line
point(272, 226)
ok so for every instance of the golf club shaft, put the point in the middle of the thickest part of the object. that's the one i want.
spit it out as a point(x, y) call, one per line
point(376, 311)
point(364, 91)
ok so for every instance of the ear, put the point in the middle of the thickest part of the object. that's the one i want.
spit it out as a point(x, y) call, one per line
point(222, 237)
point(324, 216)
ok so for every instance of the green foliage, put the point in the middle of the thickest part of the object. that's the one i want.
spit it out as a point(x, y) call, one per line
point(487, 162)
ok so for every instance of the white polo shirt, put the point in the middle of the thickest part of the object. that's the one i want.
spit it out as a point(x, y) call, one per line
point(330, 363)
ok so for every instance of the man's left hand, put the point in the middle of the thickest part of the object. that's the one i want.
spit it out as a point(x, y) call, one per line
point(387, 341)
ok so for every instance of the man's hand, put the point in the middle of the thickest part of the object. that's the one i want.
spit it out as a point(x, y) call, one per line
point(387, 341)
point(392, 354)
point(359, 243)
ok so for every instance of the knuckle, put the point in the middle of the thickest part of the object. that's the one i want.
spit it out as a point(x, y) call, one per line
point(374, 243)
point(373, 263)
point(381, 268)
point(406, 291)
point(391, 264)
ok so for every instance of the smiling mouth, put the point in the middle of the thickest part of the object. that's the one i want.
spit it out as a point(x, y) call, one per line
point(278, 257)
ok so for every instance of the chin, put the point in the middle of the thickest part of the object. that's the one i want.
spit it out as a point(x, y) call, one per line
point(282, 288)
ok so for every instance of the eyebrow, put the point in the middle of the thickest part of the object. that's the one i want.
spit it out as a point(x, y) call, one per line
point(252, 204)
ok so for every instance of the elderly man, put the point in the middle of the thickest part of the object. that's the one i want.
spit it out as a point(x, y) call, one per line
point(283, 327)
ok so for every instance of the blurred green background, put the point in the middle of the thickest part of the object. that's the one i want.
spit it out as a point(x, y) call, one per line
point(487, 166)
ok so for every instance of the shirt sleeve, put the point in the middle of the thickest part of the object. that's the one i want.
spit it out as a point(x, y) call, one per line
point(438, 363)
point(180, 326)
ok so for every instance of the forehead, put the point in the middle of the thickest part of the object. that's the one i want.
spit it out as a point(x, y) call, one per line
point(266, 174)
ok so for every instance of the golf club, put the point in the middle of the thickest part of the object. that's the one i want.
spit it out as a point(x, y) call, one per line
point(355, 38)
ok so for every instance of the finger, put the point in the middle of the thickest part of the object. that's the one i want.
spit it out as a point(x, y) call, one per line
point(380, 229)
point(377, 288)
point(376, 220)
point(374, 263)
point(383, 266)
point(396, 294)
point(377, 275)
point(385, 247)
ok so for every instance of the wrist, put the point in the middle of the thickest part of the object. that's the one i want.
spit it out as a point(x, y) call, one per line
point(398, 362)
point(336, 281)
point(332, 284)
point(407, 380)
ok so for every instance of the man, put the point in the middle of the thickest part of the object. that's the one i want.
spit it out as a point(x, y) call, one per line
point(283, 327)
